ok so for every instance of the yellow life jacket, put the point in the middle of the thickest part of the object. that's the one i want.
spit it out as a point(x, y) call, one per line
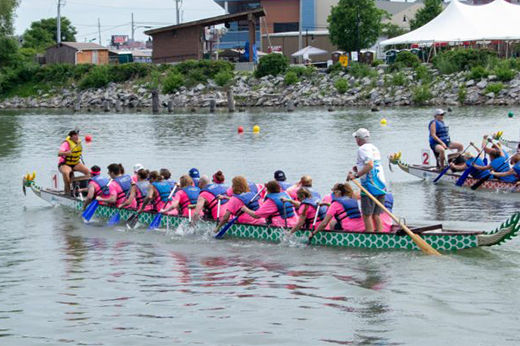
point(76, 150)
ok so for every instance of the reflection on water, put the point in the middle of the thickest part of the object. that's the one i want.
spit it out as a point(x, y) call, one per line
point(9, 133)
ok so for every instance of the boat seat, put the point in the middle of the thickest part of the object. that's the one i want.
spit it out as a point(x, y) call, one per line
point(419, 230)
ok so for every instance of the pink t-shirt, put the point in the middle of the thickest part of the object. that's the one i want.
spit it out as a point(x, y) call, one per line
point(183, 199)
point(99, 192)
point(234, 205)
point(269, 208)
point(309, 215)
point(134, 178)
point(209, 199)
point(347, 224)
point(65, 146)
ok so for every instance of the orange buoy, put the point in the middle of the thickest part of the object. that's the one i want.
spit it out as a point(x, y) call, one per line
point(88, 138)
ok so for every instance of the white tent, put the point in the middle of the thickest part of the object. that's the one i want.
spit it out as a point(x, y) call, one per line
point(498, 20)
point(308, 51)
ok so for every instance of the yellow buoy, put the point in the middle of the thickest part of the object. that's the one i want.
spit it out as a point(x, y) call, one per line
point(256, 129)
point(383, 122)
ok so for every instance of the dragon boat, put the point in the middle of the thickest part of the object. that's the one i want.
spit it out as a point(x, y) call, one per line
point(435, 235)
point(430, 173)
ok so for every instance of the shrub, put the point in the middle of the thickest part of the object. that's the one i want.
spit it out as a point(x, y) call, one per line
point(291, 78)
point(223, 78)
point(341, 85)
point(206, 68)
point(421, 94)
point(504, 73)
point(173, 81)
point(494, 88)
point(300, 71)
point(271, 64)
point(361, 70)
point(478, 72)
point(514, 63)
point(124, 72)
point(461, 95)
point(399, 79)
point(462, 59)
point(407, 58)
point(377, 62)
point(423, 74)
point(335, 68)
point(96, 78)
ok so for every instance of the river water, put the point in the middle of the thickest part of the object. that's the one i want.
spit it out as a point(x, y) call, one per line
point(64, 282)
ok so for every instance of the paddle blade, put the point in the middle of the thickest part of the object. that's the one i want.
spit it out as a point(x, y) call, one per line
point(132, 221)
point(90, 211)
point(156, 222)
point(480, 182)
point(464, 176)
point(441, 174)
point(114, 220)
point(224, 229)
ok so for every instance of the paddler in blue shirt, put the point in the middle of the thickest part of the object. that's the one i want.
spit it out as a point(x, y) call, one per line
point(469, 160)
point(440, 139)
point(499, 163)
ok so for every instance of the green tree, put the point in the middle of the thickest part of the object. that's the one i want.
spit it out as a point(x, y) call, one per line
point(7, 8)
point(42, 33)
point(391, 30)
point(431, 9)
point(355, 24)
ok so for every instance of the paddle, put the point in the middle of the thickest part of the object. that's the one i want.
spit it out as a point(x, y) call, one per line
point(468, 170)
point(448, 167)
point(424, 246)
point(224, 229)
point(90, 210)
point(156, 222)
point(132, 220)
point(114, 220)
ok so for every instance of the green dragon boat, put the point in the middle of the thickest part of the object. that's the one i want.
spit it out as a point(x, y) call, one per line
point(435, 235)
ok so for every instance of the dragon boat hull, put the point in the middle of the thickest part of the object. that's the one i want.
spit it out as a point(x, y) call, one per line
point(439, 239)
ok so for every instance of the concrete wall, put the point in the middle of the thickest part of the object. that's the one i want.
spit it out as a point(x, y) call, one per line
point(179, 45)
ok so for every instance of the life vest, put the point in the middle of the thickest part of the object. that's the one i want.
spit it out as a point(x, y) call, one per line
point(163, 189)
point(372, 182)
point(500, 164)
point(322, 210)
point(171, 182)
point(253, 188)
point(76, 150)
point(247, 199)
point(285, 210)
point(216, 190)
point(475, 173)
point(125, 182)
point(389, 201)
point(516, 168)
point(441, 130)
point(193, 194)
point(102, 185)
point(284, 185)
point(195, 181)
point(350, 208)
point(141, 192)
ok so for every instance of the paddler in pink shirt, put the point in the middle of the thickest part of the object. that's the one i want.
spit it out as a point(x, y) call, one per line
point(184, 199)
point(210, 200)
point(242, 196)
point(281, 214)
point(308, 206)
point(137, 167)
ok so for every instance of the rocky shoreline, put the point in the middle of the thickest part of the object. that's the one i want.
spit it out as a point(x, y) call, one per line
point(381, 89)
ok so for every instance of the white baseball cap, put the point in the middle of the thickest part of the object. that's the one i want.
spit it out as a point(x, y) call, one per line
point(439, 111)
point(137, 167)
point(361, 133)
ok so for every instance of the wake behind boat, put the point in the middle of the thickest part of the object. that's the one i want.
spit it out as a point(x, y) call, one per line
point(435, 235)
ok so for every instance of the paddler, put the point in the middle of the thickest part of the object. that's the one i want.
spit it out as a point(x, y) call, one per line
point(277, 212)
point(209, 199)
point(186, 197)
point(138, 192)
point(307, 205)
point(242, 196)
point(194, 175)
point(98, 186)
point(470, 160)
point(137, 168)
point(499, 163)
point(370, 171)
point(513, 172)
point(345, 209)
point(70, 159)
point(440, 137)
point(120, 186)
point(280, 177)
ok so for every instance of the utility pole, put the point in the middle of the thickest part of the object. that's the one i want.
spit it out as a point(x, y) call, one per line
point(177, 11)
point(300, 40)
point(99, 30)
point(58, 24)
point(133, 27)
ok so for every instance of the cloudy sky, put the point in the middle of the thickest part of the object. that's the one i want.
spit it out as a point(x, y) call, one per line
point(115, 15)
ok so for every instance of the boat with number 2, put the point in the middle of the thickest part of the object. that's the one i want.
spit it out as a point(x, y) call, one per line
point(435, 235)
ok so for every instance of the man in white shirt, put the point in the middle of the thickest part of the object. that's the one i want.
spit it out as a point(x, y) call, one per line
point(370, 171)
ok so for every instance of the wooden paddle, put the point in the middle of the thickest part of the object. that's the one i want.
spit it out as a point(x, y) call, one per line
point(424, 246)
point(445, 170)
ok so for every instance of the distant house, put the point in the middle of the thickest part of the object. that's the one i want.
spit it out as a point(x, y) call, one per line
point(77, 53)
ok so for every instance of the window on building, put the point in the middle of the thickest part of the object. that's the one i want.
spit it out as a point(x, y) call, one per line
point(286, 27)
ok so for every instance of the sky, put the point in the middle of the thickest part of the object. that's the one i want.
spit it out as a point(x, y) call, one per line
point(114, 15)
